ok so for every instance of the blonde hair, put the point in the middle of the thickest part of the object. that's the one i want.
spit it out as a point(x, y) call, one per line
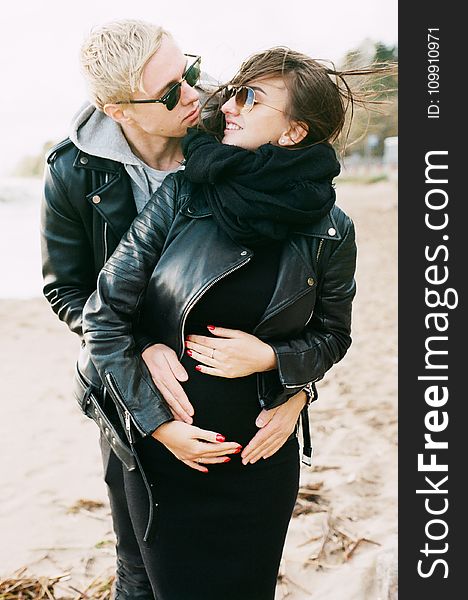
point(113, 58)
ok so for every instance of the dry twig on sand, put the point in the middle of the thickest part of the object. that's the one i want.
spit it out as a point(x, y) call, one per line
point(99, 589)
point(283, 580)
point(310, 499)
point(21, 587)
point(321, 468)
point(85, 504)
point(335, 544)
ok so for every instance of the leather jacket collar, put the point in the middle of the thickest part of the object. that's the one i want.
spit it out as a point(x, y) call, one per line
point(102, 198)
point(325, 228)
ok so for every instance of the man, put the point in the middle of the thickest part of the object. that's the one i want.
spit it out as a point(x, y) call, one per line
point(119, 151)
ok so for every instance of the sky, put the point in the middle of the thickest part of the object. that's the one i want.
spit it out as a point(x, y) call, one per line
point(42, 85)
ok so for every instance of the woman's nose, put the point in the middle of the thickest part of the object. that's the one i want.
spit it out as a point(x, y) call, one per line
point(230, 107)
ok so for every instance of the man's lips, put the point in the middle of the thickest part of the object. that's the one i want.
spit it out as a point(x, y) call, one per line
point(193, 115)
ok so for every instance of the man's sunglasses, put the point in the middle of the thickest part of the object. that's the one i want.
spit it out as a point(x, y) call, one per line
point(172, 97)
point(245, 98)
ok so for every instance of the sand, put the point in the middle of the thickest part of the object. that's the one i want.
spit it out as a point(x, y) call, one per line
point(51, 460)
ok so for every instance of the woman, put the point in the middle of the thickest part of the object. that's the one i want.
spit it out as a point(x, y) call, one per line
point(246, 247)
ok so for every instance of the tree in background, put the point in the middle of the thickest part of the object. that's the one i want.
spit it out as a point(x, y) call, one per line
point(371, 127)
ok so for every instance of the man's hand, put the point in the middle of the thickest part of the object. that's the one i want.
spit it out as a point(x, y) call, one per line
point(194, 446)
point(166, 371)
point(231, 354)
point(276, 425)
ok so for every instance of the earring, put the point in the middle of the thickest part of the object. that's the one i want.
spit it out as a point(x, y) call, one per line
point(282, 140)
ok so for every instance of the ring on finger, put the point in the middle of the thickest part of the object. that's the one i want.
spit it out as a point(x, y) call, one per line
point(212, 353)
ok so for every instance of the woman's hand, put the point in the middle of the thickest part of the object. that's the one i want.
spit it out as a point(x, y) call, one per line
point(276, 425)
point(167, 371)
point(231, 354)
point(193, 445)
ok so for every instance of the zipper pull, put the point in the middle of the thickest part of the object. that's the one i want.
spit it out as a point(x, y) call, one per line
point(128, 425)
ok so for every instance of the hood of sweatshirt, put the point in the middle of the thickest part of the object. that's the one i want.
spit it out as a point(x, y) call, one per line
point(93, 132)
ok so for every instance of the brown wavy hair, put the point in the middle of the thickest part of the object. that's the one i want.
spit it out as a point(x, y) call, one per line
point(320, 96)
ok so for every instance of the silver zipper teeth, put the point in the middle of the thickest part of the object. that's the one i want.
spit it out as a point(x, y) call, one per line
point(296, 385)
point(127, 423)
point(117, 397)
point(301, 385)
point(201, 293)
point(310, 317)
point(105, 241)
point(106, 179)
point(319, 250)
point(316, 258)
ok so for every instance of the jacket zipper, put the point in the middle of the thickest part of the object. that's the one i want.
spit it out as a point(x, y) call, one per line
point(115, 393)
point(106, 179)
point(310, 317)
point(300, 385)
point(105, 241)
point(316, 260)
point(200, 294)
point(318, 251)
point(152, 504)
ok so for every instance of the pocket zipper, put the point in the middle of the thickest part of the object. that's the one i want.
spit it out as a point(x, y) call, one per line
point(127, 416)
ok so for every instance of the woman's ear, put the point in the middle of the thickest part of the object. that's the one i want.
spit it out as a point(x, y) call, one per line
point(294, 135)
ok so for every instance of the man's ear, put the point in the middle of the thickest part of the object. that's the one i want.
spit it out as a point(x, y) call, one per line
point(116, 113)
point(295, 134)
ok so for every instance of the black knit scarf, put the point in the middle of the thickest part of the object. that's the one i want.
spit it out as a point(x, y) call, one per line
point(262, 195)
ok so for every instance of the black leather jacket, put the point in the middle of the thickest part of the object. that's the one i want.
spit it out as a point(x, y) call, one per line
point(172, 253)
point(87, 206)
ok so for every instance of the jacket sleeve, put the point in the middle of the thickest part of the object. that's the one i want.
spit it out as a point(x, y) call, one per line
point(68, 263)
point(327, 336)
point(67, 253)
point(111, 309)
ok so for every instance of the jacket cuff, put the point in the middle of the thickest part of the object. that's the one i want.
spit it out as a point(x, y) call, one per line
point(142, 417)
point(142, 340)
point(291, 367)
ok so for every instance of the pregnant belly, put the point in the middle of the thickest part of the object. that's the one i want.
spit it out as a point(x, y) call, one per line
point(226, 406)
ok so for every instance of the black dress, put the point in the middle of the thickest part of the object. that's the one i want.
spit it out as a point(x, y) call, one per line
point(220, 535)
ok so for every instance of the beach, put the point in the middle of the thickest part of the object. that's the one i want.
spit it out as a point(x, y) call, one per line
point(54, 514)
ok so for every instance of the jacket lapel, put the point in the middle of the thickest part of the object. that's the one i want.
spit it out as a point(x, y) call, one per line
point(298, 266)
point(111, 192)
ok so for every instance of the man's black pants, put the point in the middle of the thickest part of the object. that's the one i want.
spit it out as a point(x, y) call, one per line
point(132, 581)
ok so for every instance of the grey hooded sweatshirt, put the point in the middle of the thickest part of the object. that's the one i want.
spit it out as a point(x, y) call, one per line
point(95, 133)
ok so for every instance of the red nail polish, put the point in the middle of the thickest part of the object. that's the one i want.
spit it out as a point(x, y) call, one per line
point(226, 459)
point(237, 450)
point(211, 327)
point(189, 352)
point(186, 343)
point(220, 438)
point(198, 368)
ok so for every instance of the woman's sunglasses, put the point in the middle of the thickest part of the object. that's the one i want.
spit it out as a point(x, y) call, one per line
point(244, 97)
point(172, 97)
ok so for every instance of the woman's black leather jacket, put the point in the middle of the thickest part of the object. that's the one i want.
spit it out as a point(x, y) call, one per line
point(171, 255)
